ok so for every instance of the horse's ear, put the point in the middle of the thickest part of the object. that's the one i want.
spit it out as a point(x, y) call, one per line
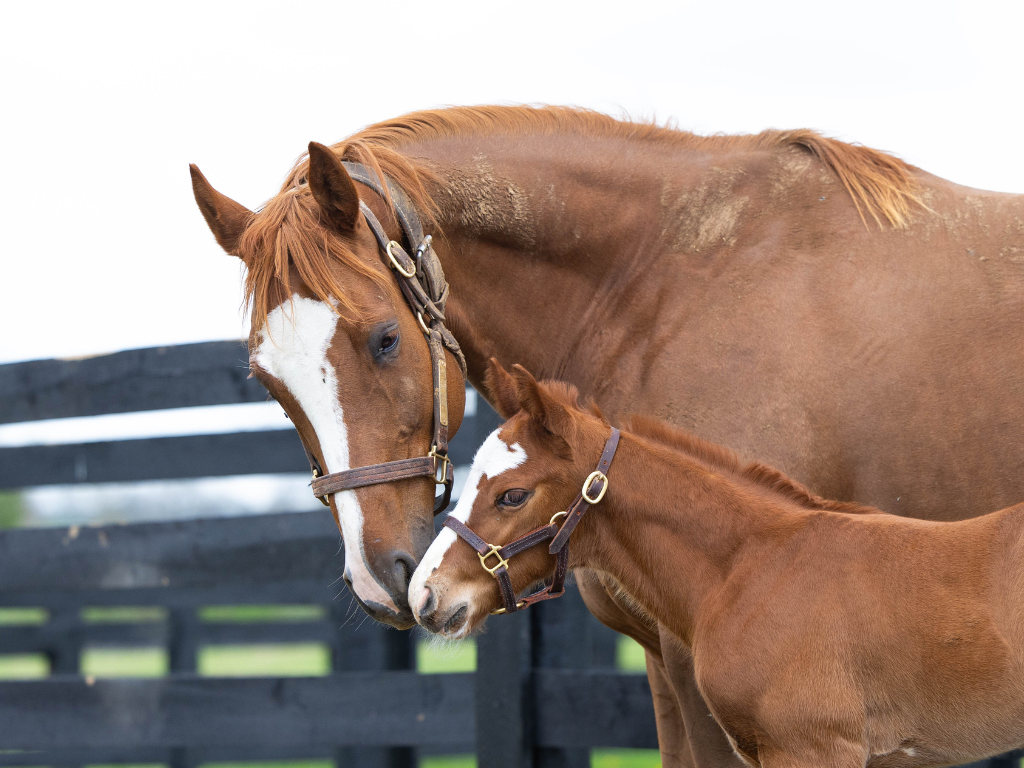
point(225, 218)
point(502, 389)
point(545, 411)
point(332, 188)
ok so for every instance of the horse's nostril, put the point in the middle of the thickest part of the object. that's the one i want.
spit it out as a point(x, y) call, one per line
point(401, 572)
point(428, 603)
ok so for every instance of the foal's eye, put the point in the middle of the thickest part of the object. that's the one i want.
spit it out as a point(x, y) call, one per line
point(513, 498)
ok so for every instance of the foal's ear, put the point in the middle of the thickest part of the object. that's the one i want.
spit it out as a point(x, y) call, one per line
point(332, 188)
point(544, 410)
point(502, 388)
point(225, 218)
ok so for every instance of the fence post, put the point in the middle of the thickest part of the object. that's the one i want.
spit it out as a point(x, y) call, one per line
point(567, 636)
point(182, 648)
point(366, 646)
point(504, 708)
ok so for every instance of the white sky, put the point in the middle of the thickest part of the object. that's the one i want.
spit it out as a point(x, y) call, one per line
point(105, 104)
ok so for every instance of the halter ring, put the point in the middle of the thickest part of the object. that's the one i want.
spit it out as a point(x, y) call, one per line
point(588, 484)
point(396, 264)
point(493, 551)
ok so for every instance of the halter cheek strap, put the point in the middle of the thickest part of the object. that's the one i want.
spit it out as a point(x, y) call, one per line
point(425, 289)
point(494, 558)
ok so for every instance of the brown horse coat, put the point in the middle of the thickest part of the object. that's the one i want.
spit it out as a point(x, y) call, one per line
point(822, 633)
point(728, 285)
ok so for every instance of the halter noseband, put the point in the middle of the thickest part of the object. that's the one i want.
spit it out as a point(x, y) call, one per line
point(426, 292)
point(594, 489)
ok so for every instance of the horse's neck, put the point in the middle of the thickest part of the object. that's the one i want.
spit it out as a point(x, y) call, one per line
point(670, 530)
point(547, 241)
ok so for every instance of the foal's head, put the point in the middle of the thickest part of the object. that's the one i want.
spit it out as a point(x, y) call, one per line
point(337, 346)
point(526, 471)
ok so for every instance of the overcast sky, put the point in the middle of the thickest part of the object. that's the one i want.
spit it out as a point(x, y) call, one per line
point(105, 104)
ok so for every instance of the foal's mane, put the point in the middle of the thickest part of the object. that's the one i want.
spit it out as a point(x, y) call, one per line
point(728, 462)
point(287, 234)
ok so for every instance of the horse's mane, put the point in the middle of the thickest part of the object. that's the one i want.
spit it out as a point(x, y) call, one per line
point(728, 462)
point(878, 183)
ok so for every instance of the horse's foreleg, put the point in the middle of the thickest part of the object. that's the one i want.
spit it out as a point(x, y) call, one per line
point(672, 741)
point(709, 746)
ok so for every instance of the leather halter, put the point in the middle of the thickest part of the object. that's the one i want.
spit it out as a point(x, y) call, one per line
point(426, 291)
point(594, 489)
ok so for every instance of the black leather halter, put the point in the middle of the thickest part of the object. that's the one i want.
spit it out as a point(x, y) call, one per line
point(425, 289)
point(594, 489)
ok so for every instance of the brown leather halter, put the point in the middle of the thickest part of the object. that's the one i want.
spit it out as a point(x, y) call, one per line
point(426, 291)
point(594, 489)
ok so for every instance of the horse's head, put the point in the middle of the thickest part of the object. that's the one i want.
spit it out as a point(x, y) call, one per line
point(526, 471)
point(337, 346)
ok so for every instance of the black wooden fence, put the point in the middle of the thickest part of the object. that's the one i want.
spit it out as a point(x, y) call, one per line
point(545, 691)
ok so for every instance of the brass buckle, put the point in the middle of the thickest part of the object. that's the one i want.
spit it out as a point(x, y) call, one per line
point(519, 606)
point(589, 483)
point(557, 515)
point(326, 498)
point(396, 264)
point(493, 551)
point(445, 462)
point(426, 330)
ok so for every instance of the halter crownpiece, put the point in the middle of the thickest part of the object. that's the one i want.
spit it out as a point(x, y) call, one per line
point(425, 289)
point(594, 489)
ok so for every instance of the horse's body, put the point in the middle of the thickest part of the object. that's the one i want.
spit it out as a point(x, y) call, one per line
point(726, 284)
point(823, 634)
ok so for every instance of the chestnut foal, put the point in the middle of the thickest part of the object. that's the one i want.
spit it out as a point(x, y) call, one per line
point(823, 633)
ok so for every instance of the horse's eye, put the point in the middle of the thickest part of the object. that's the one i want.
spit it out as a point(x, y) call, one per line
point(388, 342)
point(513, 498)
point(384, 340)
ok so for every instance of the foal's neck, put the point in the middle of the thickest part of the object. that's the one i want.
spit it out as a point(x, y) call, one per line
point(671, 528)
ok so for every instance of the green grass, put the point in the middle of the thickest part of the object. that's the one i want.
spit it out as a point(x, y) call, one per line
point(24, 666)
point(12, 511)
point(629, 656)
point(625, 758)
point(11, 617)
point(449, 761)
point(277, 660)
point(436, 656)
point(124, 662)
point(246, 614)
point(123, 614)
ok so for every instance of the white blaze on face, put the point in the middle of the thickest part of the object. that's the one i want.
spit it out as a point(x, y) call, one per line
point(492, 458)
point(293, 349)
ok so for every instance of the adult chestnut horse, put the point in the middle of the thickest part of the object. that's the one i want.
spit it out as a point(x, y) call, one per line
point(822, 307)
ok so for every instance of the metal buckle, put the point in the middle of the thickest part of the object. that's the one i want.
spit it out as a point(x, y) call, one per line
point(326, 498)
point(445, 462)
point(557, 515)
point(395, 263)
point(493, 551)
point(589, 483)
point(426, 330)
point(519, 606)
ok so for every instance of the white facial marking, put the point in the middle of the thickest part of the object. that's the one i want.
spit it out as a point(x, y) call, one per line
point(293, 349)
point(492, 458)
